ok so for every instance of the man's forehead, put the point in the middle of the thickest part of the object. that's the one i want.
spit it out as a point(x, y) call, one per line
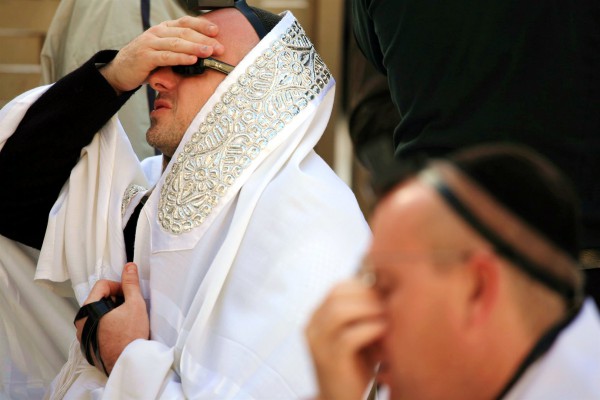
point(397, 220)
point(405, 205)
point(409, 194)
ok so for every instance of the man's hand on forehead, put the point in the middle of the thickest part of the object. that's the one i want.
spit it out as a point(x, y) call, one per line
point(176, 42)
point(197, 30)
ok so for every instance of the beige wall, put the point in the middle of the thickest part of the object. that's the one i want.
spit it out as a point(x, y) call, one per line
point(23, 24)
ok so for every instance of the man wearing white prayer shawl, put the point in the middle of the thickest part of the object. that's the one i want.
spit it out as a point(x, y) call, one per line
point(235, 242)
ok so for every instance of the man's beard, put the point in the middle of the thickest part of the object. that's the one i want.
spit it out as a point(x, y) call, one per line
point(164, 138)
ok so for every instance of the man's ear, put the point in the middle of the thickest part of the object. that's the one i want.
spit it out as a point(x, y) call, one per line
point(483, 269)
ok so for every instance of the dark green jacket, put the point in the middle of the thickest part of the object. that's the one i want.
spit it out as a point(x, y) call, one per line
point(465, 72)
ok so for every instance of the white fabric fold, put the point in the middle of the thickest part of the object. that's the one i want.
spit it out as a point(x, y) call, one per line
point(35, 326)
point(84, 238)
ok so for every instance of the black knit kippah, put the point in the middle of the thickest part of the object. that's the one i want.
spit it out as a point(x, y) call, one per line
point(268, 19)
point(528, 185)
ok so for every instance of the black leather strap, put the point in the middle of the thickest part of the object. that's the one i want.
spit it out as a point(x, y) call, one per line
point(150, 93)
point(89, 337)
point(145, 9)
point(130, 228)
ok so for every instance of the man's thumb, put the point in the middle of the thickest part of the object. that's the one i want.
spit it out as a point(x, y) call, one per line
point(130, 282)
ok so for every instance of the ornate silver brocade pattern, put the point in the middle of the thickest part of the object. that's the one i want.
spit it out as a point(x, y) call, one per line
point(266, 97)
point(129, 194)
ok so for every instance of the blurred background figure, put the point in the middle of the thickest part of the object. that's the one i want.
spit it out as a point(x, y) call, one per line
point(372, 118)
point(81, 28)
point(467, 291)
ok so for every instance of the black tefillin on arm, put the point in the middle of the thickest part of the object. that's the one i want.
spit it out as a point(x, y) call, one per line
point(206, 5)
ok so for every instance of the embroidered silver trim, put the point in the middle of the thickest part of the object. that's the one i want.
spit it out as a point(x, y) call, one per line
point(266, 97)
point(129, 194)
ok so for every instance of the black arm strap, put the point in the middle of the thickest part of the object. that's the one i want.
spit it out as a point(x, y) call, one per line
point(89, 336)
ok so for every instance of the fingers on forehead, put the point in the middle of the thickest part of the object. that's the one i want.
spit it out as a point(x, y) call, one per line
point(201, 24)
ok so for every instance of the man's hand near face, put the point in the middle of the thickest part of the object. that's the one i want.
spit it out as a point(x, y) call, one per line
point(123, 324)
point(342, 334)
point(177, 42)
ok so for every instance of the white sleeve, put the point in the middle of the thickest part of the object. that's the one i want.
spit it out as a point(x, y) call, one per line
point(144, 371)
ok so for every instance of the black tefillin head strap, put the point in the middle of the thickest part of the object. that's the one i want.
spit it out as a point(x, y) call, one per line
point(501, 247)
point(241, 5)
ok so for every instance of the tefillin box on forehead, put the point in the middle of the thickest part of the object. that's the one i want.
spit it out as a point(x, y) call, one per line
point(241, 5)
point(209, 4)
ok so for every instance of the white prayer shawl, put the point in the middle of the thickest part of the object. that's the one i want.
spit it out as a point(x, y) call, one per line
point(35, 324)
point(239, 240)
point(571, 367)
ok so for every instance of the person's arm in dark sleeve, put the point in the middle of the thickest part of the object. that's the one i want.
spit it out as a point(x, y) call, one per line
point(363, 28)
point(37, 159)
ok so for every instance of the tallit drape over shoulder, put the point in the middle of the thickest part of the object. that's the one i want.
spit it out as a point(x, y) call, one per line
point(238, 241)
point(35, 324)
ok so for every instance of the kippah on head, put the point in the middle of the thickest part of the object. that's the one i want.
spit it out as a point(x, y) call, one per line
point(528, 185)
point(268, 19)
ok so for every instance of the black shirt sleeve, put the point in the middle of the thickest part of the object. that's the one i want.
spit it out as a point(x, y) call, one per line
point(37, 159)
point(363, 28)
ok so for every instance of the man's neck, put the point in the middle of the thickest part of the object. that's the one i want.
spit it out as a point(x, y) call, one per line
point(165, 161)
point(499, 355)
point(510, 349)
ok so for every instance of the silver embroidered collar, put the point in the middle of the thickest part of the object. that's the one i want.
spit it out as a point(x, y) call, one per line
point(265, 98)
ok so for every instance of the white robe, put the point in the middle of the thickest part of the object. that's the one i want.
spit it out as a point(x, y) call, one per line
point(36, 325)
point(242, 236)
point(570, 369)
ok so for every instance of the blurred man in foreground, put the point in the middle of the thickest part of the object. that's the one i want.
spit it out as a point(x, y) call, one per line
point(473, 290)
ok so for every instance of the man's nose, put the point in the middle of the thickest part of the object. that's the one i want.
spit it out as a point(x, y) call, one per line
point(163, 79)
